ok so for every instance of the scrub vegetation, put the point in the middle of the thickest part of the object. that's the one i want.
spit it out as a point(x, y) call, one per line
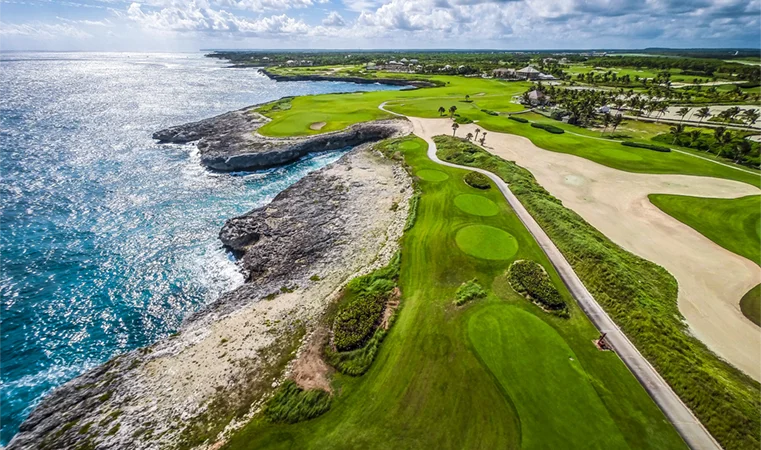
point(642, 298)
point(291, 404)
point(530, 279)
point(469, 290)
point(499, 373)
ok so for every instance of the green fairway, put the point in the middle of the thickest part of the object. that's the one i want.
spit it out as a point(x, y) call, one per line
point(341, 110)
point(734, 224)
point(436, 383)
point(483, 241)
point(477, 205)
point(536, 367)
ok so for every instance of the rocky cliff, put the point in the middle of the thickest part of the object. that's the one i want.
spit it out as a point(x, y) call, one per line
point(297, 253)
point(229, 142)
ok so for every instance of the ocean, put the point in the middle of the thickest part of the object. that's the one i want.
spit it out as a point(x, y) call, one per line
point(107, 239)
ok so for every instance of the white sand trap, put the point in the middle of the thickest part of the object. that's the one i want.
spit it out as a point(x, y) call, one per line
point(317, 126)
point(711, 279)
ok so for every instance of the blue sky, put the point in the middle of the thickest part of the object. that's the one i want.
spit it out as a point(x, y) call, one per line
point(173, 25)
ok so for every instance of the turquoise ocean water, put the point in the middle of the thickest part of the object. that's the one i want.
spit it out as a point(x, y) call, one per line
point(107, 240)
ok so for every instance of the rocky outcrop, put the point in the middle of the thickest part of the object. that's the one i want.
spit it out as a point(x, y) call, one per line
point(229, 142)
point(358, 80)
point(297, 252)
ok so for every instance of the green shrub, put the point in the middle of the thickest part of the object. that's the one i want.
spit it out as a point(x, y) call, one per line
point(518, 119)
point(477, 180)
point(749, 85)
point(291, 404)
point(462, 120)
point(361, 310)
point(412, 213)
point(548, 128)
point(529, 278)
point(469, 290)
point(657, 148)
point(490, 112)
point(357, 362)
point(641, 297)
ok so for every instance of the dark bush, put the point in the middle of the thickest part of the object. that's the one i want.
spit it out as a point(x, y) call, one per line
point(462, 120)
point(657, 148)
point(490, 112)
point(749, 85)
point(361, 310)
point(518, 119)
point(558, 115)
point(548, 128)
point(291, 404)
point(529, 278)
point(477, 180)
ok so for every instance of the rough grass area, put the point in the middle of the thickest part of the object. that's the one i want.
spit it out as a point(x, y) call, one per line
point(283, 104)
point(291, 404)
point(362, 306)
point(642, 298)
point(469, 290)
point(734, 224)
point(477, 180)
point(530, 278)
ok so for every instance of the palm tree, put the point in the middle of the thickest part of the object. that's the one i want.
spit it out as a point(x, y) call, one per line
point(478, 130)
point(733, 112)
point(455, 126)
point(751, 116)
point(663, 108)
point(681, 112)
point(741, 149)
point(469, 136)
point(616, 121)
point(718, 133)
point(703, 113)
point(483, 137)
point(606, 118)
point(442, 110)
point(727, 137)
point(467, 97)
point(452, 110)
point(677, 131)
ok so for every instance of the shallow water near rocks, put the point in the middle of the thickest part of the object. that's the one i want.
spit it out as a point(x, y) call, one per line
point(107, 239)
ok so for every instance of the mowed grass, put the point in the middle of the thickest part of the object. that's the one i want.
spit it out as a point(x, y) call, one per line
point(734, 224)
point(341, 110)
point(441, 381)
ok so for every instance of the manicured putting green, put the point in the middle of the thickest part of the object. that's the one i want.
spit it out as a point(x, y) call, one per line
point(544, 379)
point(477, 205)
point(485, 242)
point(432, 175)
point(409, 145)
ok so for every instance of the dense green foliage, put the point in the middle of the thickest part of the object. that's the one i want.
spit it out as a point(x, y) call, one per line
point(530, 278)
point(462, 120)
point(440, 380)
point(518, 119)
point(642, 298)
point(362, 306)
point(657, 148)
point(734, 224)
point(291, 404)
point(283, 104)
point(549, 128)
point(720, 142)
point(469, 290)
point(477, 180)
point(357, 362)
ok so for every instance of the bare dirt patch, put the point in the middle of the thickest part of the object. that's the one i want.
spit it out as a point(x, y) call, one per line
point(317, 125)
point(309, 370)
point(391, 305)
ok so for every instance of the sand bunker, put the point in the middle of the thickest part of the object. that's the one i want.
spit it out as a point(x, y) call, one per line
point(317, 126)
point(712, 280)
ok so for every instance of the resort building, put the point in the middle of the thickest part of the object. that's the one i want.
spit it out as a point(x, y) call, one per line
point(528, 73)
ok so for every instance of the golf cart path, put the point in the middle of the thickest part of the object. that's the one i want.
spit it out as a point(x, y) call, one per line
point(693, 432)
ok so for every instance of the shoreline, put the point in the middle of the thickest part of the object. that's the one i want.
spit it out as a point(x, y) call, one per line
point(229, 355)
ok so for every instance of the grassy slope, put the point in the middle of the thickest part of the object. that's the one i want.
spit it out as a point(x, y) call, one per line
point(642, 298)
point(735, 224)
point(441, 382)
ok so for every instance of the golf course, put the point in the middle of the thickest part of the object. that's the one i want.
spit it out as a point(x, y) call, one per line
point(497, 372)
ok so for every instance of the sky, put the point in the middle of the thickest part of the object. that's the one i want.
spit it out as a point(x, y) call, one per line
point(173, 25)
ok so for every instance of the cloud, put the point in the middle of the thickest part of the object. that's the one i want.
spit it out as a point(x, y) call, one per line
point(196, 16)
point(42, 31)
point(334, 20)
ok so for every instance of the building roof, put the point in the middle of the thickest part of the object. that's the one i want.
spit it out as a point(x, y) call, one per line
point(528, 69)
point(535, 95)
